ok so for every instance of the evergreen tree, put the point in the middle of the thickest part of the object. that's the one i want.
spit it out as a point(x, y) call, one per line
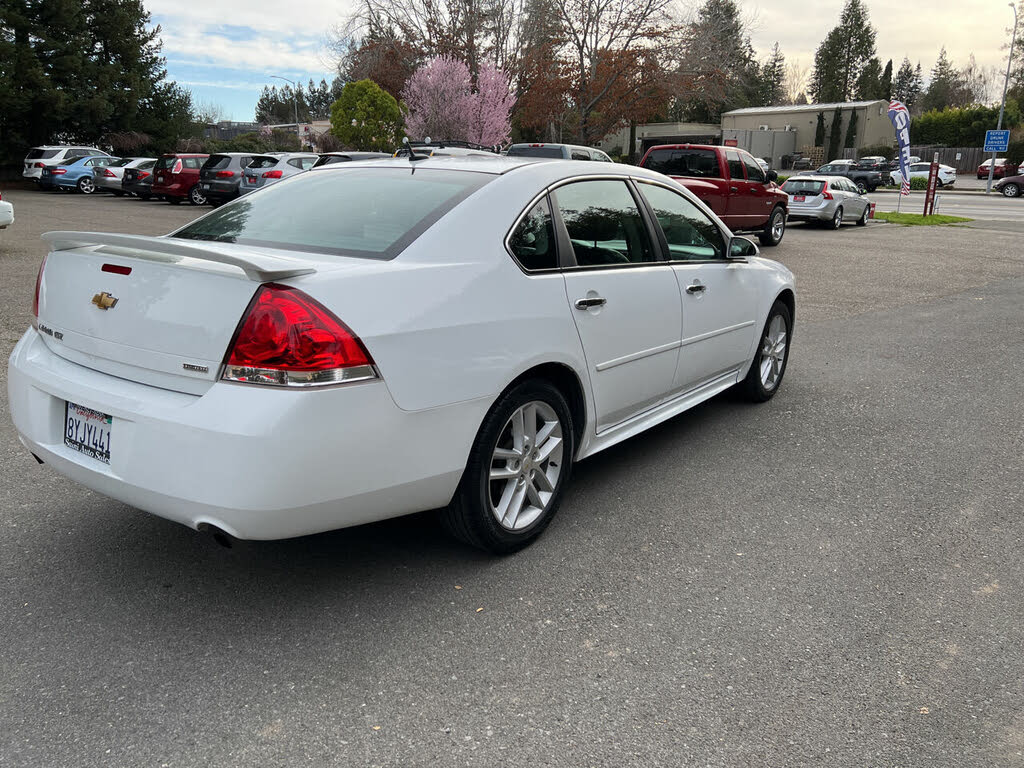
point(843, 55)
point(869, 84)
point(947, 87)
point(906, 85)
point(78, 70)
point(886, 82)
point(835, 136)
point(851, 131)
point(773, 77)
point(819, 131)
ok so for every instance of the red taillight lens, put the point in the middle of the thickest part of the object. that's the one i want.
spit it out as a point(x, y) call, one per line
point(273, 174)
point(287, 338)
point(35, 299)
point(109, 173)
point(40, 165)
point(826, 194)
point(142, 175)
point(176, 168)
point(225, 174)
point(59, 171)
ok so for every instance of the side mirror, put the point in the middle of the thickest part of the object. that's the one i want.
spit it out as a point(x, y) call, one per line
point(773, 176)
point(742, 248)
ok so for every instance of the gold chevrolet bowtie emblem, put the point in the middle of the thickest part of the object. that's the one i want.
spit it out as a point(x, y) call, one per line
point(104, 300)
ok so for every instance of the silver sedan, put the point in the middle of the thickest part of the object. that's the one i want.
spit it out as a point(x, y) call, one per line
point(832, 199)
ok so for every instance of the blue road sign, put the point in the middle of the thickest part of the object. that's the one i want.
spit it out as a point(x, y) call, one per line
point(997, 141)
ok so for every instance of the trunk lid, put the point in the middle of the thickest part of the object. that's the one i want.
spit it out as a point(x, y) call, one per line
point(169, 321)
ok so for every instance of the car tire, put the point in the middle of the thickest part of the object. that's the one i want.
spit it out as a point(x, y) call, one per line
point(498, 477)
point(775, 229)
point(769, 365)
point(1011, 190)
point(863, 220)
point(837, 218)
point(86, 185)
point(196, 196)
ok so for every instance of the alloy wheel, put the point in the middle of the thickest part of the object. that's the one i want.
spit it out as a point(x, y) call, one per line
point(837, 218)
point(196, 197)
point(778, 225)
point(86, 185)
point(1011, 190)
point(773, 352)
point(525, 466)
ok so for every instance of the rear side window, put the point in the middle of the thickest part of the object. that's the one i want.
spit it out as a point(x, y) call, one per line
point(41, 154)
point(533, 241)
point(604, 223)
point(696, 163)
point(554, 152)
point(803, 187)
point(370, 213)
point(195, 163)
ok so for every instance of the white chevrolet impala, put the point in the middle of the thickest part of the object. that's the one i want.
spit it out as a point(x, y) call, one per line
point(374, 339)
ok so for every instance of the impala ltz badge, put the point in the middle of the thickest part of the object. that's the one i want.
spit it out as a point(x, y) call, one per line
point(104, 301)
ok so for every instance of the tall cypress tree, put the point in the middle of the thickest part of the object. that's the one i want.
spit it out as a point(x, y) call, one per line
point(886, 83)
point(835, 136)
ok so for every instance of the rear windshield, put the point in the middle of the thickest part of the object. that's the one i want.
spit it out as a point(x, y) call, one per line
point(217, 162)
point(371, 213)
point(264, 162)
point(536, 152)
point(165, 162)
point(330, 160)
point(803, 187)
point(122, 162)
point(41, 154)
point(698, 163)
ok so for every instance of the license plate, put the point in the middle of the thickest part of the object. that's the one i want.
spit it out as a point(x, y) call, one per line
point(251, 179)
point(160, 179)
point(207, 186)
point(798, 198)
point(87, 431)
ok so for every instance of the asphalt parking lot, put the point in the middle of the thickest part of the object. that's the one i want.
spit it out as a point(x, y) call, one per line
point(833, 578)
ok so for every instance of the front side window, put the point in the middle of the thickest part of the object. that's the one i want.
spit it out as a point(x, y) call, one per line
point(691, 235)
point(754, 172)
point(604, 223)
point(533, 241)
point(732, 157)
point(372, 213)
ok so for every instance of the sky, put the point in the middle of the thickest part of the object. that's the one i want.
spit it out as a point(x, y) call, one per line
point(226, 50)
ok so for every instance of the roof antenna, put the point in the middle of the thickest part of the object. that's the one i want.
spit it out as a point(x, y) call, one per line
point(412, 152)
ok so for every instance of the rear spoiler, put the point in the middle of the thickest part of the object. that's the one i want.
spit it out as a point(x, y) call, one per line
point(260, 267)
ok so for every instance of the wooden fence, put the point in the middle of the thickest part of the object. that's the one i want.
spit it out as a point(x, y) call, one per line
point(968, 161)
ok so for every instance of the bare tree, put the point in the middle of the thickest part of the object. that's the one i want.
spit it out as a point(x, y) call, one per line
point(795, 83)
point(208, 112)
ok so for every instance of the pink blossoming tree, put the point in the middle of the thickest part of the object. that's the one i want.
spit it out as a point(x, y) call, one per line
point(442, 104)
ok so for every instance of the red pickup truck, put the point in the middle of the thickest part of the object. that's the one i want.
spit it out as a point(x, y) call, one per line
point(730, 182)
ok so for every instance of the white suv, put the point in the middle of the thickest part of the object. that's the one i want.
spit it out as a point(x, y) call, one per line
point(40, 157)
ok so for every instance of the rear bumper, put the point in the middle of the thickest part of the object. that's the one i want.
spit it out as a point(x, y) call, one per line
point(258, 462)
point(179, 189)
point(138, 189)
point(822, 213)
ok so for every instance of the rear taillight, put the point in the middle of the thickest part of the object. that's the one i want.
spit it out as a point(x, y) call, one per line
point(826, 194)
point(35, 299)
point(59, 171)
point(289, 339)
point(225, 174)
point(176, 168)
point(40, 165)
point(273, 174)
point(109, 173)
point(142, 174)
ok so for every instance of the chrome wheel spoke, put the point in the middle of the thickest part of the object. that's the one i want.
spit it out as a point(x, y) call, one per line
point(534, 495)
point(503, 473)
point(518, 430)
point(507, 453)
point(515, 505)
point(544, 482)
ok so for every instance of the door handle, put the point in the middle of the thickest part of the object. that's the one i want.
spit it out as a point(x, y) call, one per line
point(695, 288)
point(734, 189)
point(593, 301)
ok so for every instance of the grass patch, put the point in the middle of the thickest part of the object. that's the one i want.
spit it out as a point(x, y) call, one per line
point(916, 219)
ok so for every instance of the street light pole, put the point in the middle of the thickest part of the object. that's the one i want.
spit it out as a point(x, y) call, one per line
point(295, 101)
point(1002, 106)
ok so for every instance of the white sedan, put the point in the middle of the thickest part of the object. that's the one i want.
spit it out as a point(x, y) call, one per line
point(947, 174)
point(6, 213)
point(385, 337)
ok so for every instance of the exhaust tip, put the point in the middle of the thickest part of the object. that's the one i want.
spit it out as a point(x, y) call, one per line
point(219, 536)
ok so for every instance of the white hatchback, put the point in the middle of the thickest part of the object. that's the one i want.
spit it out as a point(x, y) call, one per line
point(385, 337)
